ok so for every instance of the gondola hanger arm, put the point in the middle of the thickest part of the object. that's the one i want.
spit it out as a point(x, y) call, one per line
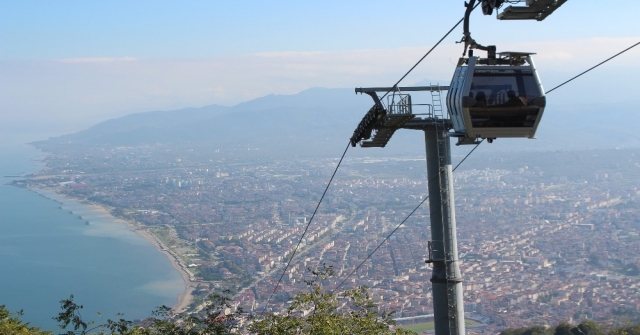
point(469, 42)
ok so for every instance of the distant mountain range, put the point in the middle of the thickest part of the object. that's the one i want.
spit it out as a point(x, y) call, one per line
point(319, 121)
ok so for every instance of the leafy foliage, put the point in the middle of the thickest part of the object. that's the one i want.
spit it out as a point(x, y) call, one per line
point(535, 330)
point(627, 330)
point(314, 312)
point(319, 312)
point(71, 315)
point(585, 328)
point(563, 328)
point(12, 325)
point(211, 321)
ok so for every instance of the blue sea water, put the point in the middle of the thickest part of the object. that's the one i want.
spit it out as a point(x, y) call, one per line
point(48, 253)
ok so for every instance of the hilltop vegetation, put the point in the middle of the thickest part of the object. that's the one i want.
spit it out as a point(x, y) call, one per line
point(10, 324)
point(584, 328)
point(317, 311)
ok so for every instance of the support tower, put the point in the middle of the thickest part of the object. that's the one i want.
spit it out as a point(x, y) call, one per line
point(376, 130)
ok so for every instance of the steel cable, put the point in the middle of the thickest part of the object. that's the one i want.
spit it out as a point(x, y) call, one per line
point(399, 225)
point(425, 56)
point(343, 154)
point(305, 229)
point(593, 67)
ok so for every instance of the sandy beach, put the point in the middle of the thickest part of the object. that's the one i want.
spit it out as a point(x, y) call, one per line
point(184, 299)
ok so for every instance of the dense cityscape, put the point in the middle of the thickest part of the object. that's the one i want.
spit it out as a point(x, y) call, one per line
point(543, 237)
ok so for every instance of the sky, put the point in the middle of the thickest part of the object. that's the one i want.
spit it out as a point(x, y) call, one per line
point(66, 65)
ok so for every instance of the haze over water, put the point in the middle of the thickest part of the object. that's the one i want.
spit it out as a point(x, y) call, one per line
point(48, 253)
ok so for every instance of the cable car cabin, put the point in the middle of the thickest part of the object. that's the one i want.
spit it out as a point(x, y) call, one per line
point(495, 97)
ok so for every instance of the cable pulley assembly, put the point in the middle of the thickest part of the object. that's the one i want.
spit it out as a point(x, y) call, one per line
point(370, 121)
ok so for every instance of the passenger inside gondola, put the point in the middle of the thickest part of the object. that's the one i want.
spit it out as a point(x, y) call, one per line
point(509, 110)
point(481, 99)
point(493, 101)
point(513, 100)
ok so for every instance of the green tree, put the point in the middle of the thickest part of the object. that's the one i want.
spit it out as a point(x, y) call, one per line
point(588, 327)
point(512, 331)
point(627, 330)
point(584, 328)
point(10, 324)
point(212, 320)
point(563, 328)
point(71, 316)
point(538, 330)
point(318, 312)
point(534, 330)
point(314, 312)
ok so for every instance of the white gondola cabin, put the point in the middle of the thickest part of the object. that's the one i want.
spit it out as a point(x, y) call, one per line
point(497, 97)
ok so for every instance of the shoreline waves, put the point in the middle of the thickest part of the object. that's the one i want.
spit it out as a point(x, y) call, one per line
point(184, 299)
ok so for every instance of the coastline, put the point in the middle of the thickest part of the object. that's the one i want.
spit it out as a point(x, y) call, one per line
point(184, 299)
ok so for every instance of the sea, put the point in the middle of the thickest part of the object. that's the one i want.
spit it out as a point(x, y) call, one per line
point(48, 252)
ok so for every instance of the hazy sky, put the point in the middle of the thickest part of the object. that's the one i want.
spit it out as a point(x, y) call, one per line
point(66, 65)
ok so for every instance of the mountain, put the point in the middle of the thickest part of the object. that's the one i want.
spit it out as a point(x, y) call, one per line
point(319, 121)
point(317, 118)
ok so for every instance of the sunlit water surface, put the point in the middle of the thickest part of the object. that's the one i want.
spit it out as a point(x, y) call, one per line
point(47, 253)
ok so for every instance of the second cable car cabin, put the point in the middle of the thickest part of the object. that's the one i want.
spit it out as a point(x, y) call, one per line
point(495, 97)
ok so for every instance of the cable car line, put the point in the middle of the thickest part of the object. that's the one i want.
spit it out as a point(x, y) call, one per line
point(398, 227)
point(492, 51)
point(497, 96)
point(378, 112)
point(477, 144)
point(608, 59)
point(343, 154)
point(425, 199)
point(305, 229)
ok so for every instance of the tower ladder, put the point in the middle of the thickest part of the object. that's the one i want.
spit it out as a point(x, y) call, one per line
point(442, 137)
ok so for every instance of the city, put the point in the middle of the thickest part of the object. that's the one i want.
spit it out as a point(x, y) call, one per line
point(550, 238)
